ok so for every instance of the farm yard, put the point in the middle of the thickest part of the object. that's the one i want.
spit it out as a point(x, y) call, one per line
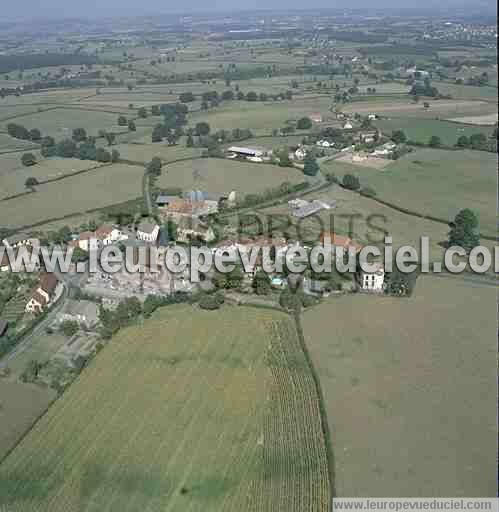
point(435, 182)
point(410, 389)
point(219, 176)
point(232, 423)
point(98, 188)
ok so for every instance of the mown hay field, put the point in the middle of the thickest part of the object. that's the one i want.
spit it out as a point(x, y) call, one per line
point(101, 187)
point(410, 389)
point(190, 411)
point(435, 182)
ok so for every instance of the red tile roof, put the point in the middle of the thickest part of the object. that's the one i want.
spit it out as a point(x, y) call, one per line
point(341, 241)
point(48, 283)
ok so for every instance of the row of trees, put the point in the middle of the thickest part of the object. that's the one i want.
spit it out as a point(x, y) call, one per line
point(213, 98)
point(20, 132)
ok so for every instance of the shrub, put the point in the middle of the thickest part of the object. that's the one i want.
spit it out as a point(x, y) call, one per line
point(209, 302)
point(28, 159)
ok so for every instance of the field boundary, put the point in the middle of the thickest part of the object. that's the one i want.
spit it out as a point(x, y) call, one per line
point(322, 407)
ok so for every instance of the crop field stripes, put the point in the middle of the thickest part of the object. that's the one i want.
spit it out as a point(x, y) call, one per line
point(223, 422)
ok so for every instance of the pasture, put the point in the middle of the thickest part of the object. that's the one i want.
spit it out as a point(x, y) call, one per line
point(420, 130)
point(260, 117)
point(435, 182)
point(13, 180)
point(190, 411)
point(20, 406)
point(145, 152)
point(76, 194)
point(410, 389)
point(219, 176)
point(60, 122)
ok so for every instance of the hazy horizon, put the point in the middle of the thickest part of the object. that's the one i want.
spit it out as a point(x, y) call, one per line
point(32, 9)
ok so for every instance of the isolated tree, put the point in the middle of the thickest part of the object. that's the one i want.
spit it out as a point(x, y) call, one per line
point(110, 138)
point(157, 134)
point(228, 95)
point(35, 134)
point(202, 128)
point(28, 159)
point(131, 126)
point(155, 110)
point(284, 160)
point(351, 182)
point(31, 183)
point(478, 141)
point(463, 142)
point(79, 134)
point(435, 141)
point(122, 121)
point(252, 96)
point(142, 113)
point(464, 230)
point(398, 136)
point(261, 283)
point(66, 148)
point(311, 167)
point(305, 123)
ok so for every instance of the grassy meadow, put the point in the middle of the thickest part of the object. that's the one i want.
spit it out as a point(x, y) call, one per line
point(76, 194)
point(420, 130)
point(218, 176)
point(190, 411)
point(435, 182)
point(410, 389)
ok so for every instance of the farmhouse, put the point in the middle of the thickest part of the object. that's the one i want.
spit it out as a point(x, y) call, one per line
point(86, 241)
point(44, 295)
point(366, 137)
point(300, 153)
point(18, 240)
point(164, 200)
point(316, 117)
point(373, 282)
point(340, 241)
point(107, 234)
point(385, 149)
point(324, 144)
point(147, 232)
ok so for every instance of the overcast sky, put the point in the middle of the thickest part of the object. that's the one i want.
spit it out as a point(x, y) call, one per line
point(93, 8)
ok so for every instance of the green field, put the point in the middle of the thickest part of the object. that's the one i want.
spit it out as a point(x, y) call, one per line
point(467, 91)
point(410, 389)
point(190, 411)
point(60, 123)
point(435, 182)
point(218, 176)
point(20, 406)
point(102, 187)
point(145, 152)
point(260, 117)
point(12, 182)
point(420, 130)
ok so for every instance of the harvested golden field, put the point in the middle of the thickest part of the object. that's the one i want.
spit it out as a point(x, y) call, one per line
point(192, 410)
point(410, 389)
